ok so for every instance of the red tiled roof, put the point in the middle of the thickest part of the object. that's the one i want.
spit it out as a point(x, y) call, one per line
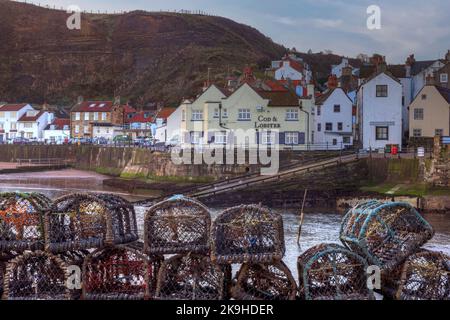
point(294, 64)
point(140, 118)
point(164, 113)
point(128, 109)
point(280, 98)
point(28, 118)
point(12, 107)
point(276, 85)
point(93, 106)
point(59, 123)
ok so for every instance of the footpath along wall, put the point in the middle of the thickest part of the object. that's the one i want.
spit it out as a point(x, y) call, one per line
point(123, 161)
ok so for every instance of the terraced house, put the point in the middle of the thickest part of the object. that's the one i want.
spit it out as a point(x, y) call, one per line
point(248, 117)
point(86, 115)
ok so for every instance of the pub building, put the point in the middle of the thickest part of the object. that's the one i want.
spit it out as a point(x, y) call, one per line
point(247, 117)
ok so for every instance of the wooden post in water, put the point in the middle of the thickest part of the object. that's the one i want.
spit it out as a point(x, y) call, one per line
point(302, 214)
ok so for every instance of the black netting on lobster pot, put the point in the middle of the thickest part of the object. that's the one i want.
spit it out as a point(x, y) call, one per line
point(264, 282)
point(21, 221)
point(192, 277)
point(384, 233)
point(331, 272)
point(5, 257)
point(74, 262)
point(177, 225)
point(36, 276)
point(119, 272)
point(425, 276)
point(83, 221)
point(247, 233)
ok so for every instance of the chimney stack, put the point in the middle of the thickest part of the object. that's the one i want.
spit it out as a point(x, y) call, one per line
point(447, 56)
point(408, 65)
point(117, 100)
point(332, 82)
point(430, 80)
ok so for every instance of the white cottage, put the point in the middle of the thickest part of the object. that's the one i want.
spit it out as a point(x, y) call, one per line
point(9, 117)
point(32, 123)
point(333, 125)
point(379, 103)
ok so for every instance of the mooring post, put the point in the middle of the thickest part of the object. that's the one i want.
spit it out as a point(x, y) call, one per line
point(302, 214)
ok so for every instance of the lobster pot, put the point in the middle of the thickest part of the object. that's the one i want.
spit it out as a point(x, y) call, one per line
point(74, 262)
point(83, 221)
point(36, 276)
point(21, 221)
point(177, 225)
point(192, 277)
point(385, 233)
point(118, 273)
point(425, 276)
point(264, 282)
point(248, 234)
point(331, 272)
point(5, 257)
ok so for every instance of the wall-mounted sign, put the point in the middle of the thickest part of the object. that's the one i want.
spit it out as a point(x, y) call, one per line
point(421, 152)
point(265, 122)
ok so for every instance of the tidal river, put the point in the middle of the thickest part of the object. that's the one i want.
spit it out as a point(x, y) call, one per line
point(317, 227)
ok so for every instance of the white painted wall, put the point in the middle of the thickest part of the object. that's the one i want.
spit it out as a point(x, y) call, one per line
point(287, 72)
point(34, 129)
point(380, 111)
point(324, 139)
point(56, 136)
point(9, 119)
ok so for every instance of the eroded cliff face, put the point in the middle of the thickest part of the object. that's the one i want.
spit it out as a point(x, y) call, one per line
point(139, 55)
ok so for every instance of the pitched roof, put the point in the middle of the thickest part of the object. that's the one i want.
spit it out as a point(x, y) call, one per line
point(397, 70)
point(59, 124)
point(164, 113)
point(444, 92)
point(29, 118)
point(140, 118)
point(12, 107)
point(280, 98)
point(376, 74)
point(93, 106)
point(128, 109)
point(419, 66)
point(322, 98)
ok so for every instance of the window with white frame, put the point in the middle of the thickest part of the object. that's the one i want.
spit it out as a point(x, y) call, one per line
point(104, 116)
point(244, 115)
point(216, 112)
point(346, 140)
point(319, 127)
point(13, 125)
point(195, 137)
point(328, 126)
point(28, 125)
point(183, 115)
point(439, 132)
point(77, 115)
point(418, 114)
point(292, 114)
point(337, 108)
point(95, 116)
point(340, 126)
point(220, 137)
point(268, 137)
point(291, 137)
point(224, 113)
point(197, 115)
point(444, 77)
point(417, 132)
point(319, 110)
point(86, 116)
point(77, 129)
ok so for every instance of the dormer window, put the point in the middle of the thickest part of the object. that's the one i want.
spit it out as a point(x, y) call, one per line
point(444, 77)
point(92, 105)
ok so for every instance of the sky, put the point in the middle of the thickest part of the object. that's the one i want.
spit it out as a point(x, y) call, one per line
point(407, 26)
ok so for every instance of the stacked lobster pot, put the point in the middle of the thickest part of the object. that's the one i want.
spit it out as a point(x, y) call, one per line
point(253, 236)
point(179, 228)
point(44, 247)
point(332, 272)
point(389, 236)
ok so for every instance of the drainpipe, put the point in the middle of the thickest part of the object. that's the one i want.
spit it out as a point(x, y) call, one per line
point(307, 124)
